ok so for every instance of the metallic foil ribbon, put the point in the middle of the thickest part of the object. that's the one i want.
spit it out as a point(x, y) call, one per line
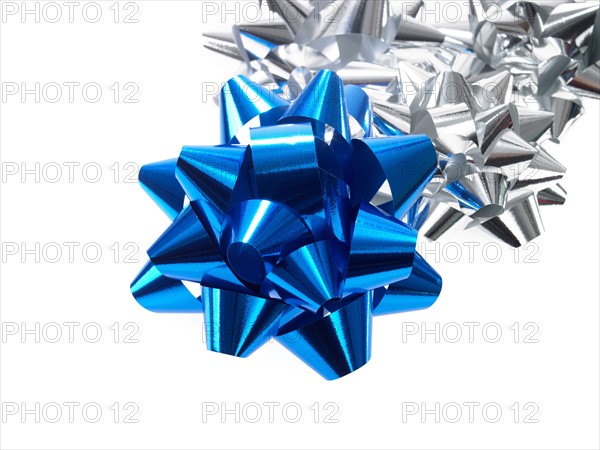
point(282, 230)
point(489, 91)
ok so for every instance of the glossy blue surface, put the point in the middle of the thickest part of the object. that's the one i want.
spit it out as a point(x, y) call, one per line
point(256, 234)
point(337, 344)
point(324, 102)
point(237, 324)
point(159, 182)
point(158, 293)
point(419, 291)
point(408, 163)
point(310, 276)
point(280, 231)
point(185, 251)
point(241, 101)
point(381, 252)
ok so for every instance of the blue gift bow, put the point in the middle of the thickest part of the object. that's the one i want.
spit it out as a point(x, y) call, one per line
point(280, 232)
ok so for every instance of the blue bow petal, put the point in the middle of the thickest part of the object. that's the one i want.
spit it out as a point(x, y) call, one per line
point(208, 176)
point(210, 173)
point(158, 293)
point(334, 345)
point(237, 324)
point(309, 277)
point(382, 250)
point(256, 234)
point(408, 162)
point(185, 251)
point(323, 100)
point(241, 101)
point(286, 166)
point(419, 291)
point(159, 182)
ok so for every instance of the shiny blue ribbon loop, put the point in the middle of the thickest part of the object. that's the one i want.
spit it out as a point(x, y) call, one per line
point(241, 101)
point(282, 230)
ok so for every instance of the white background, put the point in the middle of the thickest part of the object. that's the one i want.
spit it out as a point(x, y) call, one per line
point(168, 373)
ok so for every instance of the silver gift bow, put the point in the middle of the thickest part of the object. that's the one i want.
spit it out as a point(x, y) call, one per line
point(489, 89)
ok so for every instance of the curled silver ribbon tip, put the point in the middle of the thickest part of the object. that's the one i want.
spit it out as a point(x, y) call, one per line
point(554, 195)
point(490, 89)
